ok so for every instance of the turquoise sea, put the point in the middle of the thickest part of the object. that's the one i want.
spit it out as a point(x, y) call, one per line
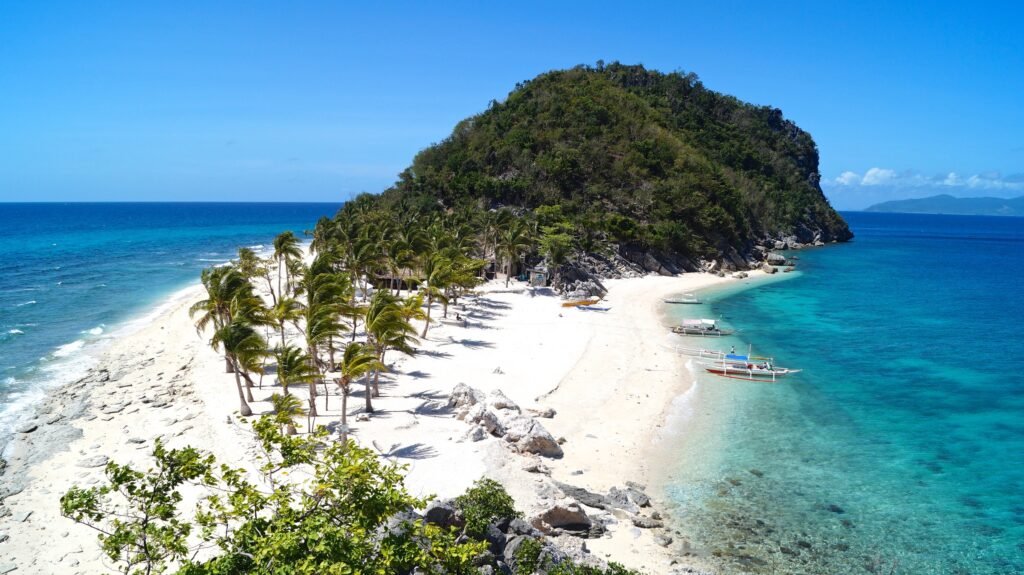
point(74, 275)
point(900, 448)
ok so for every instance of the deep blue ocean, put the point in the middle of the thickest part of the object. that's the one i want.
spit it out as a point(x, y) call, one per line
point(73, 274)
point(900, 448)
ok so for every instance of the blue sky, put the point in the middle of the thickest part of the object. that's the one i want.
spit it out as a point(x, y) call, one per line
point(255, 101)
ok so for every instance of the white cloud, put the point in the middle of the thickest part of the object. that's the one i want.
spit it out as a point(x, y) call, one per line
point(909, 179)
point(848, 179)
point(878, 176)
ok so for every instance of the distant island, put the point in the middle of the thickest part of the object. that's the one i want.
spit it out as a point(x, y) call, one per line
point(947, 204)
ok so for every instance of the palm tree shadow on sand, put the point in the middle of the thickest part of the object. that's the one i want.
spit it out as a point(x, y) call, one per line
point(469, 343)
point(411, 451)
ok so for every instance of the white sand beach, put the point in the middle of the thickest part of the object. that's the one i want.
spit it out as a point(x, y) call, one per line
point(607, 375)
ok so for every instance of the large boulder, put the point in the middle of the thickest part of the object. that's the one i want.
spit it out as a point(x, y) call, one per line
point(464, 396)
point(768, 268)
point(498, 400)
point(588, 498)
point(480, 415)
point(776, 259)
point(619, 499)
point(565, 514)
point(528, 436)
point(443, 514)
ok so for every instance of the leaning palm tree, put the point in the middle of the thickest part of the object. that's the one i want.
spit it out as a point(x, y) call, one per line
point(286, 409)
point(238, 339)
point(293, 366)
point(357, 360)
point(386, 329)
point(225, 286)
point(286, 248)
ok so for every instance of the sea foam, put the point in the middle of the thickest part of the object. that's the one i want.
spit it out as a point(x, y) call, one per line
point(67, 350)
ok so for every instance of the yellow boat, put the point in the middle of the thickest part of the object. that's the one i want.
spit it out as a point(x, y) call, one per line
point(580, 302)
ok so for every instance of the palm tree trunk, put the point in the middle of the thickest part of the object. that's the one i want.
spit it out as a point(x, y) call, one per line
point(344, 405)
point(270, 286)
point(279, 277)
point(282, 335)
point(369, 403)
point(248, 386)
point(376, 383)
point(430, 300)
point(287, 276)
point(244, 408)
point(312, 398)
point(228, 366)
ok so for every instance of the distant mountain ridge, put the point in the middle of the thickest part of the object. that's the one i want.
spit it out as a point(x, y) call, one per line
point(947, 204)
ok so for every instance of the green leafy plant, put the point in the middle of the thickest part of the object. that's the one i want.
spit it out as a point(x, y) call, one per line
point(484, 502)
point(331, 518)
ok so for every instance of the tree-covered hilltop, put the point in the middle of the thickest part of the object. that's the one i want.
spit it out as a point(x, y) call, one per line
point(645, 160)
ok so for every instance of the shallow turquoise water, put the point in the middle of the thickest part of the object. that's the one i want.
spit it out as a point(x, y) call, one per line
point(73, 274)
point(900, 448)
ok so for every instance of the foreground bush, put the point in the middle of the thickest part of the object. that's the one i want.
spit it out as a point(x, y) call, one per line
point(335, 521)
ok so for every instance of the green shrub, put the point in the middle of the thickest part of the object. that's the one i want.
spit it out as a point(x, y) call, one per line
point(483, 503)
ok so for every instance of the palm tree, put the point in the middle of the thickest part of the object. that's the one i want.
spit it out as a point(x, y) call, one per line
point(386, 328)
point(437, 271)
point(357, 360)
point(286, 248)
point(513, 241)
point(287, 309)
point(239, 339)
point(293, 366)
point(225, 286)
point(286, 409)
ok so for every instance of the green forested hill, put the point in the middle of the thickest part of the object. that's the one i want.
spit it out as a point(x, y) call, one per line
point(643, 159)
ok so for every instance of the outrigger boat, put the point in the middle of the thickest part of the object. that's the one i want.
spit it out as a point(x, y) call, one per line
point(686, 298)
point(593, 307)
point(703, 327)
point(716, 354)
point(749, 371)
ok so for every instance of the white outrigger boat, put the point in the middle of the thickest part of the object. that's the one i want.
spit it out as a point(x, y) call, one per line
point(686, 298)
point(702, 327)
point(764, 371)
point(716, 355)
point(748, 367)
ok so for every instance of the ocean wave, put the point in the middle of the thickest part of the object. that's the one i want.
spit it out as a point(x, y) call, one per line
point(8, 381)
point(94, 331)
point(219, 260)
point(15, 331)
point(67, 350)
point(30, 302)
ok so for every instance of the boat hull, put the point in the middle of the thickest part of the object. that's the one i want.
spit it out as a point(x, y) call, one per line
point(702, 332)
point(755, 374)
